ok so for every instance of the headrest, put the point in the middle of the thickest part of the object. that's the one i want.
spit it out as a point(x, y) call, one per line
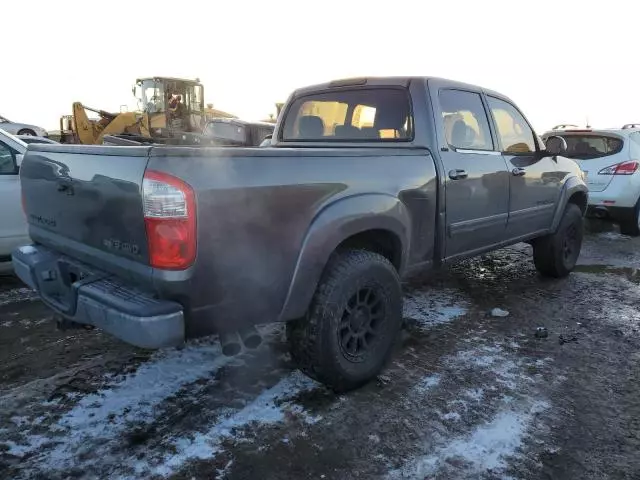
point(310, 126)
point(391, 116)
point(347, 131)
point(462, 135)
point(369, 132)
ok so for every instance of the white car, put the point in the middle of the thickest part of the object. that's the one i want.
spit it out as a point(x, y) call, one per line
point(610, 160)
point(21, 128)
point(13, 227)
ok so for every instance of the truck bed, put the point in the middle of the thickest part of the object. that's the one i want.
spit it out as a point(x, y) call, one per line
point(255, 210)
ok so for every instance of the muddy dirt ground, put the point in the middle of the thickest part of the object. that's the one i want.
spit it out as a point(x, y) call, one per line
point(467, 395)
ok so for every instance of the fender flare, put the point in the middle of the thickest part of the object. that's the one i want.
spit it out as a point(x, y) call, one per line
point(572, 186)
point(334, 224)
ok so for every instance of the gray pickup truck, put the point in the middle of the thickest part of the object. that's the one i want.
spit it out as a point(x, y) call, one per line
point(366, 181)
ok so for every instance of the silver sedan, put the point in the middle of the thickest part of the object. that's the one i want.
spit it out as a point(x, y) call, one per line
point(21, 128)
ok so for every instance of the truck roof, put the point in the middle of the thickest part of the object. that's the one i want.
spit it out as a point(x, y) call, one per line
point(402, 81)
point(171, 79)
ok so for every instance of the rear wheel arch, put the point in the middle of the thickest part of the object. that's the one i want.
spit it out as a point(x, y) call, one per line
point(377, 223)
point(382, 241)
point(580, 199)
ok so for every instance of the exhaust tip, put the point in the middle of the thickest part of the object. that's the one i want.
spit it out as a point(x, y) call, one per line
point(230, 344)
point(250, 337)
point(600, 212)
point(231, 350)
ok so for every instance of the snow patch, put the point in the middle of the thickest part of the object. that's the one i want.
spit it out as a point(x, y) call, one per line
point(17, 295)
point(475, 394)
point(101, 417)
point(268, 408)
point(434, 307)
point(613, 236)
point(451, 416)
point(499, 312)
point(485, 449)
point(626, 318)
point(425, 384)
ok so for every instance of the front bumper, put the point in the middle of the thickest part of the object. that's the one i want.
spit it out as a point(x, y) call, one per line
point(84, 295)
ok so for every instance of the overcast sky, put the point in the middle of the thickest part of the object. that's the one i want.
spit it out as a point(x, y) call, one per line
point(561, 61)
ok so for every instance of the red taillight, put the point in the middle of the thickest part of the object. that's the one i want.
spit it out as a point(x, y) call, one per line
point(170, 220)
point(624, 168)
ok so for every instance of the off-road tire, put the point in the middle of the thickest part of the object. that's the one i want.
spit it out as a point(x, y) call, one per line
point(316, 341)
point(631, 227)
point(556, 255)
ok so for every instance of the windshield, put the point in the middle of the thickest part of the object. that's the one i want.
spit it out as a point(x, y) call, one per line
point(584, 147)
point(150, 96)
point(371, 115)
point(194, 99)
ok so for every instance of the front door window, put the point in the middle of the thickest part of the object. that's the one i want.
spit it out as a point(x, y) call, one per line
point(513, 130)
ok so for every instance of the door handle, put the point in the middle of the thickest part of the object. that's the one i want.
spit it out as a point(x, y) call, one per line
point(457, 174)
point(518, 171)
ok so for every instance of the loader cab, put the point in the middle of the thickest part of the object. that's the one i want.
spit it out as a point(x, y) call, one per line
point(172, 104)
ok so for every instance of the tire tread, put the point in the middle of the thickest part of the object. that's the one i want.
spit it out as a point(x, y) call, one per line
point(304, 334)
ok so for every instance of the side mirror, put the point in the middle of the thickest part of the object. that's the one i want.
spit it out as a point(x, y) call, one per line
point(556, 145)
point(266, 141)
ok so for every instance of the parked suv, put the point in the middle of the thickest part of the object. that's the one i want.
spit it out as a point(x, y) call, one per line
point(610, 160)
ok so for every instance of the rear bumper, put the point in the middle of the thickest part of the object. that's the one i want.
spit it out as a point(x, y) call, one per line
point(623, 190)
point(617, 214)
point(81, 294)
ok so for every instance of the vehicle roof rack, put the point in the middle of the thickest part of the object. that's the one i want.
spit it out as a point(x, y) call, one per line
point(564, 125)
point(631, 125)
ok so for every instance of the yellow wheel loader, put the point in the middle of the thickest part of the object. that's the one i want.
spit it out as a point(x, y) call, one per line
point(170, 110)
point(91, 132)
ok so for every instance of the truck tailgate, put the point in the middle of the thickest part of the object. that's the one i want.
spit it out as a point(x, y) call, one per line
point(86, 200)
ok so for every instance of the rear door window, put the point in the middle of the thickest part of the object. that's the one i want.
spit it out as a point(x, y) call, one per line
point(466, 125)
point(366, 114)
point(584, 147)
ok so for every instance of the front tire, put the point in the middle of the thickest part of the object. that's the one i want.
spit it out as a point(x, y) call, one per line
point(349, 332)
point(556, 255)
point(631, 227)
point(27, 131)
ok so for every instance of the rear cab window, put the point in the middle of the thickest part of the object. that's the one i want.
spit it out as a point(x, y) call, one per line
point(378, 114)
